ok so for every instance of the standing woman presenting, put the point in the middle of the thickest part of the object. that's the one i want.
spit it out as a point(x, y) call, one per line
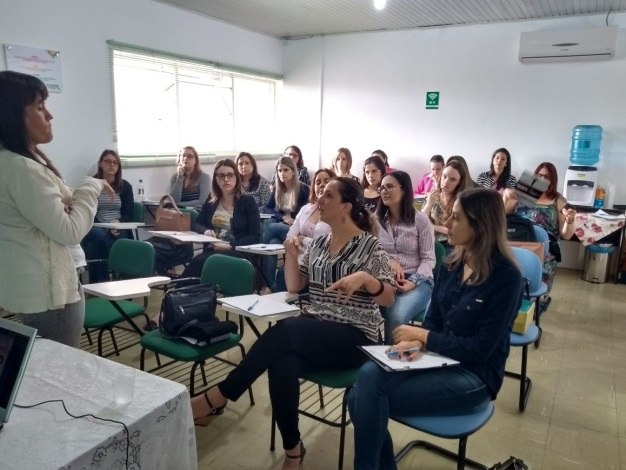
point(41, 219)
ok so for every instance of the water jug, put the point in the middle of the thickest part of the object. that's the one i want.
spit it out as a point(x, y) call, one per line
point(586, 142)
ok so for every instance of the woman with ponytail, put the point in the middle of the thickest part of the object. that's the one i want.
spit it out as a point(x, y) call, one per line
point(349, 276)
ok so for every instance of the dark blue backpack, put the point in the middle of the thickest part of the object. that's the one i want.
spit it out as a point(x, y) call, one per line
point(519, 229)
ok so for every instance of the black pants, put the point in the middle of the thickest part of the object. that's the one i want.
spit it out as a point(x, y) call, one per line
point(194, 268)
point(287, 351)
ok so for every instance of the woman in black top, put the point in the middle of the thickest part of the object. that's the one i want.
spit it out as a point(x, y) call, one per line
point(228, 215)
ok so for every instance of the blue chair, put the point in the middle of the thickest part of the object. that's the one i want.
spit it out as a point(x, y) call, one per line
point(525, 384)
point(542, 237)
point(447, 427)
point(530, 266)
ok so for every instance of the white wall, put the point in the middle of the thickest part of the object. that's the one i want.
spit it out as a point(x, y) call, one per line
point(370, 90)
point(79, 29)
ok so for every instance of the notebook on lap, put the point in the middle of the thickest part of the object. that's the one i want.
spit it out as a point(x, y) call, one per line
point(16, 343)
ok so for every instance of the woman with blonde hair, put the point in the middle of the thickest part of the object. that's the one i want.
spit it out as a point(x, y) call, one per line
point(438, 206)
point(342, 164)
point(189, 186)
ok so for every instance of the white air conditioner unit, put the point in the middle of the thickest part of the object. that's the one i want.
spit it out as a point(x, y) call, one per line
point(568, 45)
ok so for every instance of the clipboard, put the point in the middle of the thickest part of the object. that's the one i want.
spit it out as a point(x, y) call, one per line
point(428, 360)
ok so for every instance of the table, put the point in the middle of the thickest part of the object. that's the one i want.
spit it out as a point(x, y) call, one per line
point(184, 237)
point(590, 228)
point(124, 290)
point(121, 226)
point(159, 418)
point(278, 300)
point(261, 249)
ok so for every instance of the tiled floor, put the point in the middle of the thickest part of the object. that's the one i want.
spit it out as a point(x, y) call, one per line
point(575, 419)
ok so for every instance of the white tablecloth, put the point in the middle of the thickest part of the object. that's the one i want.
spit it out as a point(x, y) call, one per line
point(159, 417)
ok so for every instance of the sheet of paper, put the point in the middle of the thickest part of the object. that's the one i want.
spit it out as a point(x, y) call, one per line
point(603, 215)
point(428, 360)
point(264, 247)
point(190, 237)
point(258, 305)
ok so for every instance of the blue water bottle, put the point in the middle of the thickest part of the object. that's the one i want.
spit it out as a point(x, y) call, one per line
point(586, 140)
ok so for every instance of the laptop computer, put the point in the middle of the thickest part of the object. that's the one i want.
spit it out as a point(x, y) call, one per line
point(16, 343)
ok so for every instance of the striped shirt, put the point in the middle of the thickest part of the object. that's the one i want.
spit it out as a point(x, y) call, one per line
point(411, 245)
point(190, 193)
point(108, 210)
point(486, 180)
point(361, 253)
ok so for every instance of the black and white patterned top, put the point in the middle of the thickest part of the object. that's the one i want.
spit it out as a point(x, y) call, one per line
point(361, 253)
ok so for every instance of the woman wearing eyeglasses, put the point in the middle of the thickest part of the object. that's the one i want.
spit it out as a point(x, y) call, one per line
point(190, 186)
point(97, 243)
point(228, 214)
point(408, 238)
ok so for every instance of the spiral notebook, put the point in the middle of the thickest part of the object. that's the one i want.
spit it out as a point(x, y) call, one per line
point(427, 360)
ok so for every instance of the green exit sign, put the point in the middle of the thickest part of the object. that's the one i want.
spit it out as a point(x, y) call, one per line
point(432, 100)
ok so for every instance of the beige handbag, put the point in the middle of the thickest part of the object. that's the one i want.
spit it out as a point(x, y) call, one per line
point(171, 219)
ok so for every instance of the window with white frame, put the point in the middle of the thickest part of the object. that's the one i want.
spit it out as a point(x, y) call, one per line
point(163, 103)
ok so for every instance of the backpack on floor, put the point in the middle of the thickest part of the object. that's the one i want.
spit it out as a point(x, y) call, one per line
point(512, 463)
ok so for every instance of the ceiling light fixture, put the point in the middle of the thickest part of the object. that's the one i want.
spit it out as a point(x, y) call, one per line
point(380, 4)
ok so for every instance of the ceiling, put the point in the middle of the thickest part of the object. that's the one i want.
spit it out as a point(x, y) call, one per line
point(304, 18)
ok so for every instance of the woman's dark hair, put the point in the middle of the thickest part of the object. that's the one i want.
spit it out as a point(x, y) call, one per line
point(197, 170)
point(407, 210)
point(484, 210)
point(350, 191)
point(551, 192)
point(117, 182)
point(296, 149)
point(312, 193)
point(255, 178)
point(437, 159)
point(217, 191)
point(379, 163)
point(17, 91)
point(381, 154)
point(501, 181)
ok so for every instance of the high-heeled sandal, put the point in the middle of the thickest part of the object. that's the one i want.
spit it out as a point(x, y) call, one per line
point(213, 411)
point(299, 456)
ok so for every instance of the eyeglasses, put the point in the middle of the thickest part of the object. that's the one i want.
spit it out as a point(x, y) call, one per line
point(387, 188)
point(225, 176)
point(544, 175)
point(292, 155)
point(110, 162)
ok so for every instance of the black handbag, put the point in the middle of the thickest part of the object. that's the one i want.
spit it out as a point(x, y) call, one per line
point(190, 312)
point(513, 463)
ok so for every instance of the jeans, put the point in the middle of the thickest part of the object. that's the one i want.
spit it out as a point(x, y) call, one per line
point(275, 232)
point(281, 285)
point(97, 244)
point(406, 307)
point(379, 394)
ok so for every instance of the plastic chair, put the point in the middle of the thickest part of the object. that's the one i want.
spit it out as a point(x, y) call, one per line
point(525, 384)
point(531, 271)
point(128, 259)
point(447, 427)
point(332, 378)
point(138, 212)
point(232, 276)
point(542, 237)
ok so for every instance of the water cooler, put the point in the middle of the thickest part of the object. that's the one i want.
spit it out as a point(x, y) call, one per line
point(581, 178)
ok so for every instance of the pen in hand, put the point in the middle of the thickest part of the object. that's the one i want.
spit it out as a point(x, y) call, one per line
point(249, 309)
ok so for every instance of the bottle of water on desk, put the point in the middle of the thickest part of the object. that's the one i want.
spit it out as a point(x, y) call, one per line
point(141, 195)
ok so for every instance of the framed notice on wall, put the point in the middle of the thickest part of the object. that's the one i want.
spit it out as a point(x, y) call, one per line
point(44, 64)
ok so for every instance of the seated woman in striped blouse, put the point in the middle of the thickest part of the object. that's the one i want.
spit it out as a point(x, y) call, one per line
point(408, 237)
point(348, 276)
point(98, 241)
